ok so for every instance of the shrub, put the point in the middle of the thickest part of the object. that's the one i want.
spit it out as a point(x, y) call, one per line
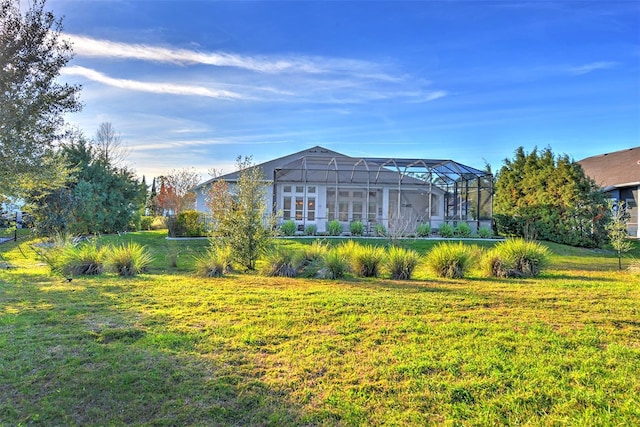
point(311, 230)
point(401, 262)
point(84, 259)
point(190, 224)
point(462, 230)
point(366, 260)
point(288, 228)
point(145, 222)
point(516, 258)
point(334, 228)
point(312, 259)
point(423, 230)
point(215, 262)
point(449, 260)
point(336, 264)
point(280, 263)
point(379, 230)
point(446, 230)
point(485, 232)
point(356, 228)
point(128, 259)
point(159, 223)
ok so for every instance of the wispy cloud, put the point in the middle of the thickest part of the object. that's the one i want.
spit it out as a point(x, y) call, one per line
point(153, 87)
point(593, 66)
point(89, 47)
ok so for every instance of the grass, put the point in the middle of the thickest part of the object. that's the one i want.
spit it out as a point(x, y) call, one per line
point(169, 348)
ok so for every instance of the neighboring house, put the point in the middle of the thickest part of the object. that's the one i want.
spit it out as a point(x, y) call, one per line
point(318, 185)
point(618, 174)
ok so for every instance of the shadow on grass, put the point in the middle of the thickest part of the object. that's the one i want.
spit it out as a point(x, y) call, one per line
point(82, 353)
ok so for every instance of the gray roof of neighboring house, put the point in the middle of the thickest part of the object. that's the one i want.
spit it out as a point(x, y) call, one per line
point(319, 164)
point(614, 170)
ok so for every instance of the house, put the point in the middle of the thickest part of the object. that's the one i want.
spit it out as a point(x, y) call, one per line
point(318, 185)
point(618, 174)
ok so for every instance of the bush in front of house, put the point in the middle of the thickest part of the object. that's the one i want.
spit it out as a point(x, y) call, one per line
point(485, 232)
point(450, 260)
point(311, 230)
point(516, 258)
point(462, 230)
point(334, 228)
point(128, 259)
point(401, 262)
point(288, 227)
point(423, 230)
point(356, 228)
point(446, 230)
point(379, 230)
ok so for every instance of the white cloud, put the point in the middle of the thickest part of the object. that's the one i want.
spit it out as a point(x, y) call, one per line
point(587, 68)
point(154, 87)
point(89, 47)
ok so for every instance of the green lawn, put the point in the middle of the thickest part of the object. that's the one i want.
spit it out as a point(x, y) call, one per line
point(168, 348)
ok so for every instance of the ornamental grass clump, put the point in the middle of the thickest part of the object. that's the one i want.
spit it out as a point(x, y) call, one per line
point(128, 259)
point(215, 262)
point(516, 258)
point(366, 260)
point(311, 259)
point(336, 264)
point(280, 263)
point(401, 262)
point(450, 260)
point(85, 259)
point(485, 232)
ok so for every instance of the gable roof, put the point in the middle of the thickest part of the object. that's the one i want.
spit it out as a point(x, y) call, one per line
point(318, 164)
point(613, 170)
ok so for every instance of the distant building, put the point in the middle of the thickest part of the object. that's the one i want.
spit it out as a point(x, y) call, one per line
point(618, 174)
point(317, 185)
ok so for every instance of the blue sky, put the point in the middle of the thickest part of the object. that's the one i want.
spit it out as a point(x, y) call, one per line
point(197, 83)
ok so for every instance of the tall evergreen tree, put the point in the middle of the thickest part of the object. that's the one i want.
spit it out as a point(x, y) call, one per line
point(32, 102)
point(539, 195)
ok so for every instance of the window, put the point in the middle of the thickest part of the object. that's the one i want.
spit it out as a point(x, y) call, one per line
point(311, 209)
point(311, 189)
point(299, 208)
point(286, 189)
point(434, 205)
point(299, 189)
point(357, 210)
point(343, 210)
point(286, 208)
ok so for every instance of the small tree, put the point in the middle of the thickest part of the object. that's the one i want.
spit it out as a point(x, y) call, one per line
point(239, 215)
point(175, 193)
point(617, 228)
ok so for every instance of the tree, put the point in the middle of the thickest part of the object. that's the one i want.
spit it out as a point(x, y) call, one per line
point(539, 195)
point(240, 214)
point(96, 198)
point(617, 228)
point(176, 193)
point(109, 147)
point(32, 54)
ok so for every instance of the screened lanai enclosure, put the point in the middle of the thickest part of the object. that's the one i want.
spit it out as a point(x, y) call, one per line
point(317, 185)
point(397, 193)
